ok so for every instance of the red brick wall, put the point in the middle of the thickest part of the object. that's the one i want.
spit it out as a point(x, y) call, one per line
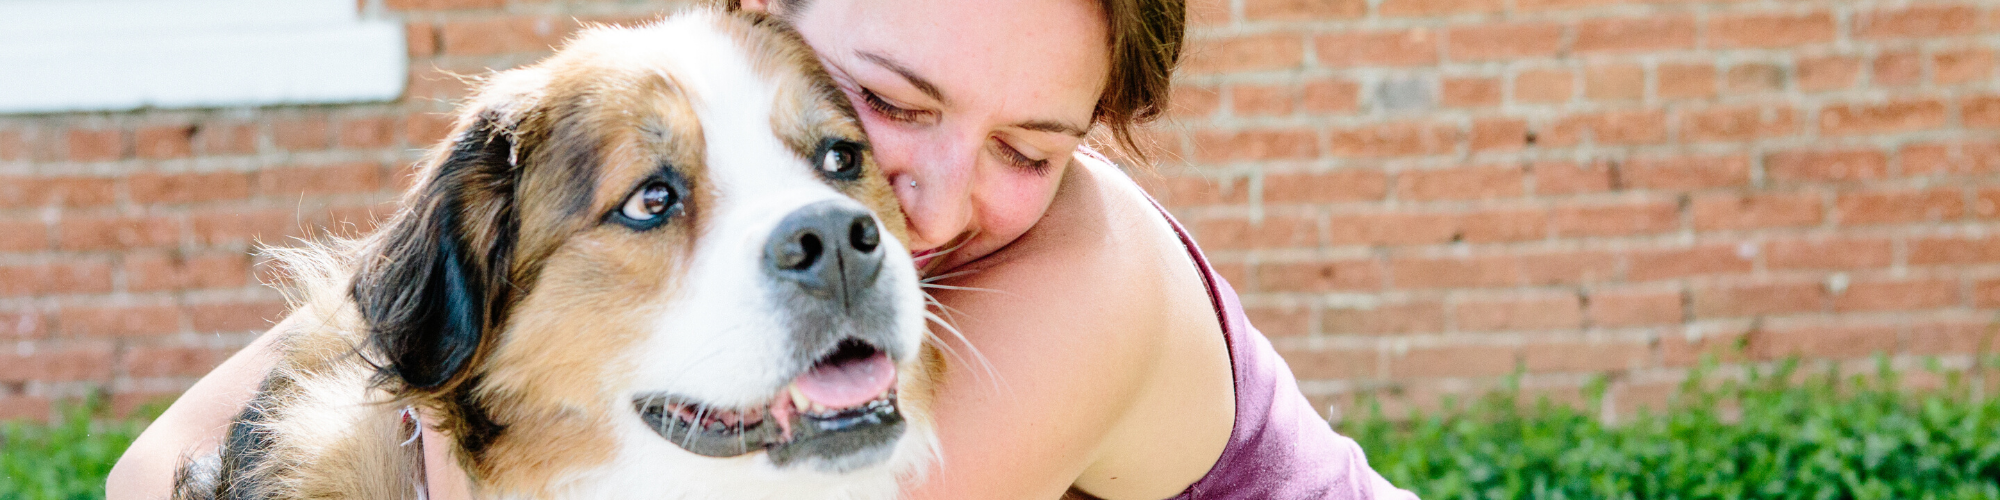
point(1418, 197)
point(1415, 196)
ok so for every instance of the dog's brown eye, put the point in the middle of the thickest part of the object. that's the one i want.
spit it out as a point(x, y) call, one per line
point(650, 202)
point(840, 159)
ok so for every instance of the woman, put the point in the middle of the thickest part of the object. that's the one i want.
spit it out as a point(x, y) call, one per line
point(1107, 360)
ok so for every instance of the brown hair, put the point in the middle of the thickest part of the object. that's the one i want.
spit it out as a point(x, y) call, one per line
point(1145, 46)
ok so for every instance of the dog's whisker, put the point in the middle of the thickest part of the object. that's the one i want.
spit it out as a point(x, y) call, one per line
point(977, 357)
point(958, 288)
point(946, 276)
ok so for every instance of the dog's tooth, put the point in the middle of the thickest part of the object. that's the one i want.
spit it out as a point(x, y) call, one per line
point(799, 399)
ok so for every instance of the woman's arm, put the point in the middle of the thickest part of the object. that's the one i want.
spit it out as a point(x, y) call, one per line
point(195, 422)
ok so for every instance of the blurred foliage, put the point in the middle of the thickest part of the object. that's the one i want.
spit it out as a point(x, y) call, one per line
point(1774, 433)
point(68, 458)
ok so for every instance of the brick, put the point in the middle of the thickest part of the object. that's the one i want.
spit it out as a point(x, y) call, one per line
point(1208, 13)
point(1281, 322)
point(23, 236)
point(443, 4)
point(1823, 341)
point(1561, 177)
point(154, 188)
point(1622, 308)
point(500, 35)
point(1414, 47)
point(1395, 139)
point(1686, 81)
point(1471, 92)
point(1658, 264)
point(1818, 74)
point(1320, 276)
point(159, 271)
point(26, 408)
point(14, 145)
point(1392, 228)
point(1901, 115)
point(1952, 67)
point(1931, 339)
point(1737, 123)
point(1840, 253)
point(226, 138)
point(1519, 313)
point(1652, 33)
point(1455, 361)
point(1922, 21)
point(302, 134)
point(1255, 144)
point(1544, 86)
point(171, 361)
point(118, 320)
point(1753, 78)
point(1455, 272)
point(1331, 364)
point(1980, 111)
point(1899, 206)
point(366, 132)
point(1827, 165)
point(1487, 226)
point(1499, 135)
point(1262, 100)
point(1627, 127)
point(1504, 41)
point(1385, 318)
point(1953, 250)
point(1726, 345)
point(292, 181)
point(1622, 219)
point(1986, 293)
point(1895, 69)
point(55, 278)
point(229, 227)
point(234, 316)
point(1332, 97)
point(1466, 183)
point(117, 232)
point(1619, 82)
point(1303, 10)
point(1434, 8)
point(1986, 203)
point(1733, 211)
point(1245, 53)
point(1195, 101)
point(1897, 295)
point(1586, 356)
point(1567, 268)
point(1758, 299)
point(22, 326)
point(164, 142)
point(99, 145)
point(421, 39)
point(87, 362)
point(1326, 187)
point(1770, 29)
point(1183, 191)
point(1272, 232)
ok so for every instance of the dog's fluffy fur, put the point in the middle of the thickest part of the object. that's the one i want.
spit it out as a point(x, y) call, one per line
point(507, 304)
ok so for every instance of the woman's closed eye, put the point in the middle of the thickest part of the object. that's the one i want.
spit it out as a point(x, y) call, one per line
point(1019, 160)
point(891, 111)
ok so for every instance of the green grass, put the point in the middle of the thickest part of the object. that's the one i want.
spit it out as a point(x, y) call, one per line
point(1775, 434)
point(66, 459)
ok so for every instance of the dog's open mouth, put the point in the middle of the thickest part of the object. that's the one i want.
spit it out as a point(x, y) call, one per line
point(843, 406)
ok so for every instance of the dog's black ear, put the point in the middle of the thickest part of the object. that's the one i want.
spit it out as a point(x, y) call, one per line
point(436, 276)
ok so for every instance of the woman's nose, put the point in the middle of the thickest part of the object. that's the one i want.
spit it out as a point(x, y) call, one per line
point(937, 193)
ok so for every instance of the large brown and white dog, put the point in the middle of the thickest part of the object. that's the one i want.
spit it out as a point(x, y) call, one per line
point(658, 264)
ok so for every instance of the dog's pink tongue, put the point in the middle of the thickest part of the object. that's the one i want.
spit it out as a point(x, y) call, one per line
point(848, 384)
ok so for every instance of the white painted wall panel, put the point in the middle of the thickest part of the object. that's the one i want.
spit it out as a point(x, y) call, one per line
point(87, 55)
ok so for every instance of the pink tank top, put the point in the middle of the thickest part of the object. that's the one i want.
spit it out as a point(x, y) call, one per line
point(1280, 448)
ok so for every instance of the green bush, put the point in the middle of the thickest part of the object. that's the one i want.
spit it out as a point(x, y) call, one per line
point(1777, 434)
point(66, 459)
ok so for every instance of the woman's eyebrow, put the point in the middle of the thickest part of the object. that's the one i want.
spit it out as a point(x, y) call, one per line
point(919, 82)
point(1053, 126)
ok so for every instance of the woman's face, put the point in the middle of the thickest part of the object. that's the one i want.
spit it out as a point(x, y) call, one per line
point(973, 107)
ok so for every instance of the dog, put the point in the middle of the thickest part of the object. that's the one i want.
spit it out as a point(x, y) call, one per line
point(660, 263)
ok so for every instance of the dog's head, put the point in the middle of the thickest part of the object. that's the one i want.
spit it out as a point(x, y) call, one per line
point(659, 262)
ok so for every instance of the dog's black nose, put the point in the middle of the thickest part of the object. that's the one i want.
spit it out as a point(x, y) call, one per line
point(830, 250)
